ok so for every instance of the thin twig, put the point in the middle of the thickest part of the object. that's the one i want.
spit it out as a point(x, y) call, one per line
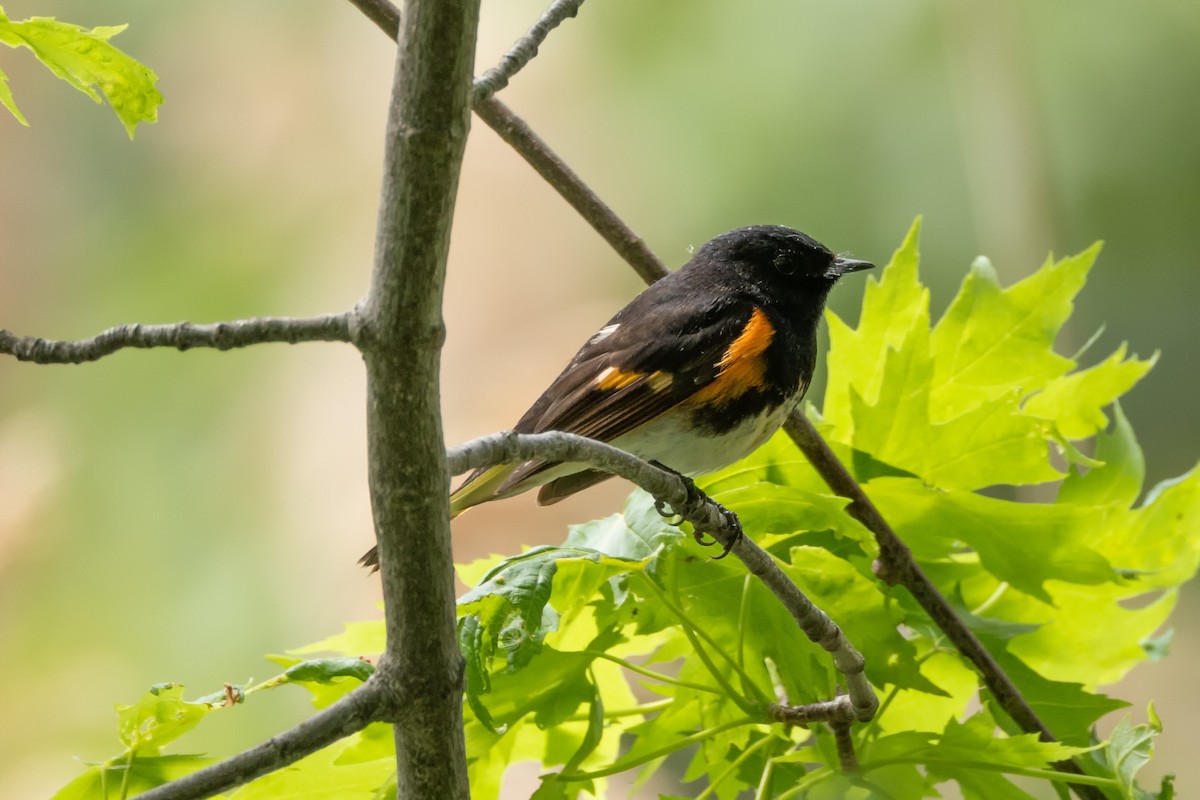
point(845, 746)
point(348, 715)
point(705, 515)
point(620, 237)
point(181, 336)
point(513, 130)
point(382, 13)
point(525, 48)
point(839, 709)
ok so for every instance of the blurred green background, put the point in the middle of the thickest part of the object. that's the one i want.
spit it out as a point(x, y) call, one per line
point(169, 516)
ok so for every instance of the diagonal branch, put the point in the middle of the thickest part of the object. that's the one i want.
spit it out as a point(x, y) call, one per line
point(705, 515)
point(181, 336)
point(523, 51)
point(513, 130)
point(595, 212)
point(348, 715)
point(383, 13)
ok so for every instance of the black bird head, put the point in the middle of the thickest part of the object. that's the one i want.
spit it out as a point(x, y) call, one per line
point(770, 252)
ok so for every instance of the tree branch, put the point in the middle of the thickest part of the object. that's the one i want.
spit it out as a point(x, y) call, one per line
point(383, 13)
point(705, 515)
point(400, 334)
point(513, 130)
point(525, 48)
point(348, 715)
point(181, 336)
point(529, 145)
point(897, 565)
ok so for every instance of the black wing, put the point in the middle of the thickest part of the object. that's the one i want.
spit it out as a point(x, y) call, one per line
point(653, 355)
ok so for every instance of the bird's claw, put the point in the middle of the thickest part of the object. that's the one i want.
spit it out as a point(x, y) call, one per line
point(666, 513)
point(694, 496)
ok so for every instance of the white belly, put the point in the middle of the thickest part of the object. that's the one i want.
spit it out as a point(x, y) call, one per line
point(670, 440)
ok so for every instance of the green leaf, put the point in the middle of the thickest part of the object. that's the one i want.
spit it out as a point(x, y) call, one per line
point(864, 611)
point(6, 99)
point(634, 535)
point(971, 755)
point(1025, 544)
point(326, 773)
point(1066, 708)
point(324, 670)
point(895, 303)
point(84, 58)
point(1128, 749)
point(356, 639)
point(1075, 401)
point(992, 340)
point(158, 717)
point(1118, 481)
point(988, 445)
point(141, 774)
point(319, 677)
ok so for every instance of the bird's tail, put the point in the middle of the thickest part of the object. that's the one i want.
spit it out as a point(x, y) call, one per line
point(479, 487)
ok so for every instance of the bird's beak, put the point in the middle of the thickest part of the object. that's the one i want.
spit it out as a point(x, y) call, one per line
point(841, 265)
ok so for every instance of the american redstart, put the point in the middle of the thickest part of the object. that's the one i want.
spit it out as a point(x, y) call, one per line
point(694, 373)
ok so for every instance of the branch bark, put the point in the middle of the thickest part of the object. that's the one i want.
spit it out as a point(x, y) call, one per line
point(513, 130)
point(180, 335)
point(400, 332)
point(525, 48)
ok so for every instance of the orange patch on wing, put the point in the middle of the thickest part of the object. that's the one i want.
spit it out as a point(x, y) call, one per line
point(613, 378)
point(742, 367)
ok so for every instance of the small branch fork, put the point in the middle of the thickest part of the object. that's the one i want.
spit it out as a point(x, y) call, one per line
point(525, 49)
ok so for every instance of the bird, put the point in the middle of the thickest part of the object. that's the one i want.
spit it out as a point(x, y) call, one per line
point(696, 372)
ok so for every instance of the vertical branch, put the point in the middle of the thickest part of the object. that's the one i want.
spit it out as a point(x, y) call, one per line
point(401, 333)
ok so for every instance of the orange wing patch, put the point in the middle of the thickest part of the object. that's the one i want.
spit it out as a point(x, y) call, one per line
point(742, 367)
point(613, 378)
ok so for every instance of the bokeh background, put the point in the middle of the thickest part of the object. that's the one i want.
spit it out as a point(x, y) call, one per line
point(168, 516)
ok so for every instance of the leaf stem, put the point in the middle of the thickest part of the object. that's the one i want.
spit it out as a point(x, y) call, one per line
point(733, 767)
point(1026, 772)
point(128, 772)
point(994, 598)
point(645, 708)
point(694, 635)
point(649, 673)
point(645, 758)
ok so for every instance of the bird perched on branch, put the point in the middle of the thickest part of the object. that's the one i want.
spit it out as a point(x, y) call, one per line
point(694, 373)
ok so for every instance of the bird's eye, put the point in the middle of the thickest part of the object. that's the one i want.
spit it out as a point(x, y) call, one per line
point(784, 263)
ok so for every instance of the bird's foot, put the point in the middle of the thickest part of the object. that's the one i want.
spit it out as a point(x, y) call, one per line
point(695, 496)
